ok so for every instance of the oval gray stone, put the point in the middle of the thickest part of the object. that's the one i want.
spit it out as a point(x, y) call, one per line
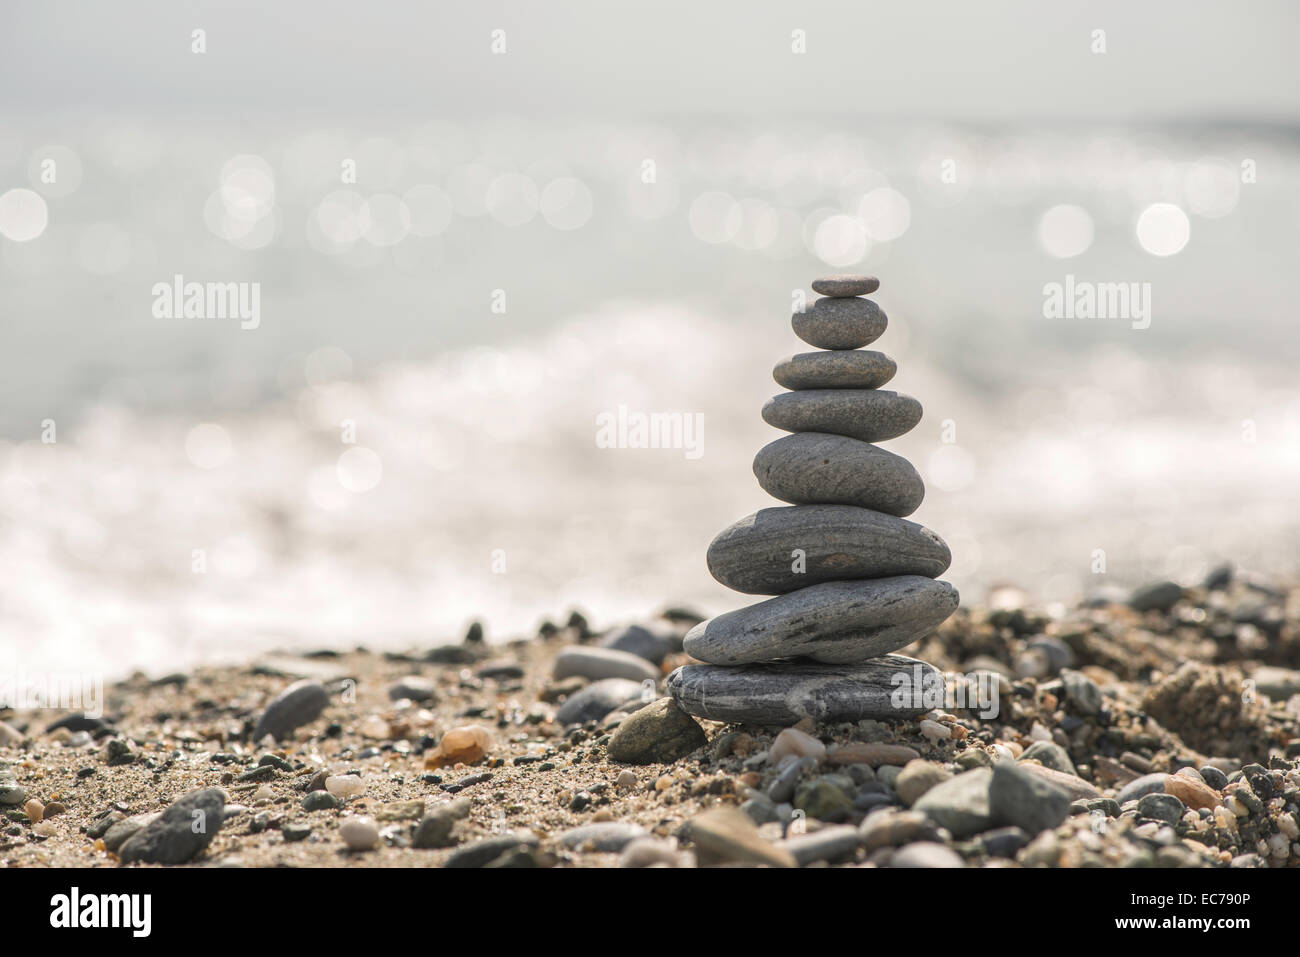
point(872, 415)
point(757, 556)
point(639, 641)
point(597, 700)
point(845, 284)
point(607, 836)
point(598, 663)
point(782, 694)
point(180, 832)
point(299, 704)
point(843, 369)
point(816, 468)
point(835, 622)
point(832, 323)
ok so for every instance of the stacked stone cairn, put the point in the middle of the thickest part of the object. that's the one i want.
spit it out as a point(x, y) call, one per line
point(853, 580)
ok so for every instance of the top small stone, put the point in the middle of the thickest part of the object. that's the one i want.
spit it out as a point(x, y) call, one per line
point(844, 286)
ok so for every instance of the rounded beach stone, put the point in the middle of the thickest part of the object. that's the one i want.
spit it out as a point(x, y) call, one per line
point(597, 700)
point(299, 704)
point(187, 826)
point(659, 733)
point(783, 694)
point(817, 468)
point(778, 550)
point(841, 369)
point(834, 622)
point(596, 664)
point(844, 285)
point(872, 415)
point(839, 323)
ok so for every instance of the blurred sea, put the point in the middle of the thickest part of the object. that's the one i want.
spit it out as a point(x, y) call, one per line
point(471, 303)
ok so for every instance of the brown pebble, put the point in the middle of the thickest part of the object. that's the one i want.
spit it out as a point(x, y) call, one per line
point(53, 808)
point(1195, 794)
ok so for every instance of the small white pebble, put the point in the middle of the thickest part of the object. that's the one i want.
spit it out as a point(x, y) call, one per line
point(1003, 752)
point(1287, 825)
point(935, 731)
point(626, 780)
point(1039, 733)
point(374, 727)
point(1279, 846)
point(359, 833)
point(47, 829)
point(345, 785)
point(264, 793)
point(1235, 805)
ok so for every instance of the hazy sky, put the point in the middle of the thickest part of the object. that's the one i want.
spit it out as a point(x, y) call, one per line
point(987, 61)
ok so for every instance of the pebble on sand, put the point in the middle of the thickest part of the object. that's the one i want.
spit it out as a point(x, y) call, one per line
point(960, 804)
point(658, 733)
point(464, 745)
point(344, 786)
point(184, 829)
point(598, 699)
point(1020, 799)
point(359, 833)
point(299, 704)
point(728, 836)
point(600, 663)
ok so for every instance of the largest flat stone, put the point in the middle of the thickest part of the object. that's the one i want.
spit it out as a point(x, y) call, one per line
point(816, 468)
point(777, 550)
point(871, 415)
point(834, 622)
point(785, 693)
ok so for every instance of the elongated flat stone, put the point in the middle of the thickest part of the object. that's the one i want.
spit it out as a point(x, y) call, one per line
point(833, 323)
point(834, 622)
point(777, 550)
point(872, 415)
point(817, 468)
point(782, 694)
point(844, 284)
point(839, 369)
point(598, 663)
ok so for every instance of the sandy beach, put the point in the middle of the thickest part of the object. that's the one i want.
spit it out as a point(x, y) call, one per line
point(1183, 704)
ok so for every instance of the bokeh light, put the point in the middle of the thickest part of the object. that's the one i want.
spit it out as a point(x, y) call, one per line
point(23, 215)
point(1065, 231)
point(1163, 229)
